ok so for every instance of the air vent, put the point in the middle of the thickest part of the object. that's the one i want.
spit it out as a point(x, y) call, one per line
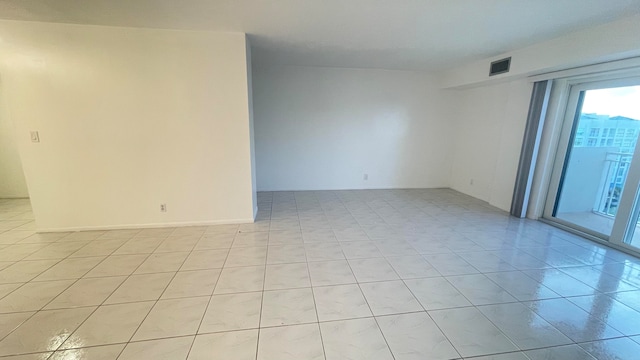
point(500, 66)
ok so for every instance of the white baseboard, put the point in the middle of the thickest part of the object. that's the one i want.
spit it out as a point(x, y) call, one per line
point(150, 225)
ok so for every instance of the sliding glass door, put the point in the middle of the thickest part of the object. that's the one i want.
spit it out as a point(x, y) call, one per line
point(597, 168)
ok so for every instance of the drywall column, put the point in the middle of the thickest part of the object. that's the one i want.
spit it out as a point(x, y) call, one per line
point(130, 119)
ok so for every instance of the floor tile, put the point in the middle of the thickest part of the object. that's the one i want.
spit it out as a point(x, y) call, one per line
point(83, 235)
point(436, 293)
point(117, 265)
point(389, 297)
point(287, 237)
point(140, 288)
point(521, 260)
point(287, 276)
point(192, 283)
point(360, 250)
point(286, 254)
point(523, 326)
point(45, 331)
point(249, 256)
point(323, 251)
point(205, 259)
point(214, 242)
point(162, 262)
point(613, 349)
point(240, 279)
point(221, 229)
point(251, 239)
point(412, 267)
point(69, 269)
point(415, 337)
point(177, 244)
point(485, 261)
point(232, 312)
point(288, 307)
point(11, 321)
point(86, 292)
point(98, 248)
point(450, 264)
point(368, 270)
point(164, 349)
point(290, 343)
point(58, 250)
point(480, 290)
point(235, 345)
point(392, 253)
point(559, 282)
point(109, 324)
point(471, 333)
point(628, 298)
point(106, 352)
point(6, 289)
point(572, 321)
point(568, 352)
point(358, 339)
point(17, 252)
point(330, 273)
point(139, 246)
point(611, 312)
point(506, 356)
point(33, 296)
point(520, 286)
point(174, 317)
point(395, 248)
point(339, 302)
point(595, 278)
point(24, 271)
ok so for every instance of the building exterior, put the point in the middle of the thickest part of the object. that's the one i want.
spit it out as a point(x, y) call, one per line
point(620, 135)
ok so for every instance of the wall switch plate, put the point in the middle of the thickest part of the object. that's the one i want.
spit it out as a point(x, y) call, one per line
point(35, 137)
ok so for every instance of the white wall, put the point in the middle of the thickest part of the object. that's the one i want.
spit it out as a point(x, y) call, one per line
point(128, 119)
point(489, 126)
point(323, 128)
point(612, 41)
point(491, 111)
point(12, 181)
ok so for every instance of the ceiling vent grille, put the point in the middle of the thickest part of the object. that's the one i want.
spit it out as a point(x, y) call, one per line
point(500, 66)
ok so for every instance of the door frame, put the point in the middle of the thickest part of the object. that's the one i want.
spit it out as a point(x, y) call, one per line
point(573, 98)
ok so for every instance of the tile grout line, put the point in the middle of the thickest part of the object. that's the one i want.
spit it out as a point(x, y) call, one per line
point(313, 296)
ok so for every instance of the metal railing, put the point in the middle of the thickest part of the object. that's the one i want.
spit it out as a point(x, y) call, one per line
point(616, 165)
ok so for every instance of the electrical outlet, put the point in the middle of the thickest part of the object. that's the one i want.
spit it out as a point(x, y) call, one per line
point(35, 137)
point(471, 182)
point(163, 207)
point(365, 177)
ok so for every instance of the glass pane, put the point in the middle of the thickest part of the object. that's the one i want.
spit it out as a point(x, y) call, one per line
point(604, 138)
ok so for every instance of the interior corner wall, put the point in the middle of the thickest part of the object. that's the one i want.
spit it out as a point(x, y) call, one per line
point(12, 181)
point(322, 128)
point(488, 129)
point(129, 119)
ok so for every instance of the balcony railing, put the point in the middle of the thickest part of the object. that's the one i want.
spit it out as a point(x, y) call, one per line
point(614, 175)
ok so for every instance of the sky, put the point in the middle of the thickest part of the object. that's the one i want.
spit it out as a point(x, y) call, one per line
point(622, 101)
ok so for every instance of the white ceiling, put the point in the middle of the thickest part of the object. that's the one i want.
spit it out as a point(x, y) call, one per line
point(393, 34)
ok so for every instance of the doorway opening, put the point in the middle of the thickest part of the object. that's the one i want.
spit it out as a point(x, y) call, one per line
point(596, 175)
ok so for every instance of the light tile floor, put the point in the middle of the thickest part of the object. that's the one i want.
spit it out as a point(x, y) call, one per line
point(388, 274)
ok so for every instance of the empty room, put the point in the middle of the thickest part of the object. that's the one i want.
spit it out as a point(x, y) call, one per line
point(319, 180)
